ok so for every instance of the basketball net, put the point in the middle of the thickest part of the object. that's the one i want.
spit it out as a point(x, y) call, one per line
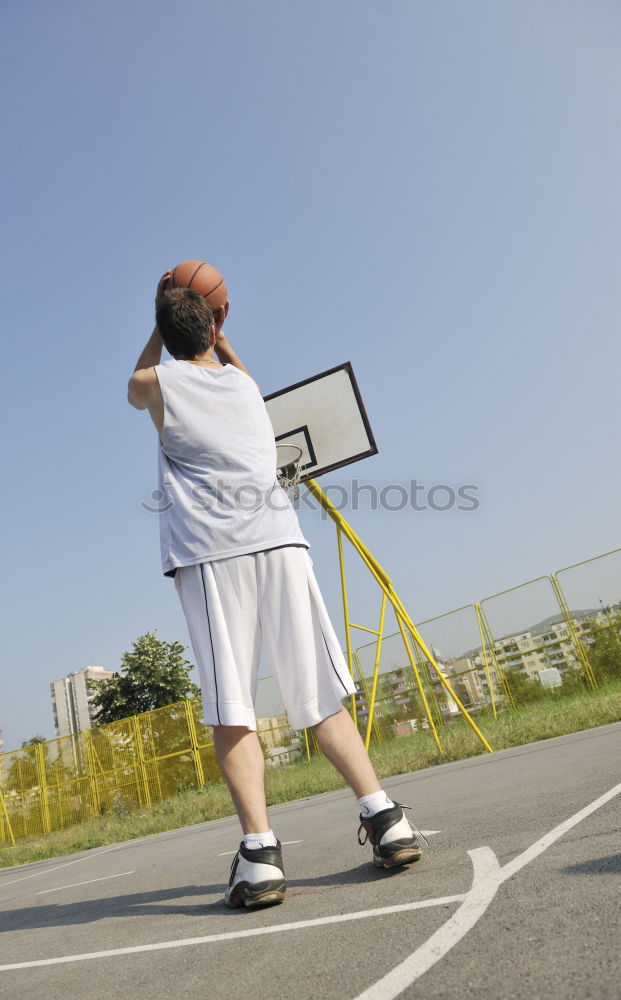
point(288, 468)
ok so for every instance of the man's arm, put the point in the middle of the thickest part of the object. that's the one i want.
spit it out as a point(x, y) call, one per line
point(152, 353)
point(226, 354)
point(143, 382)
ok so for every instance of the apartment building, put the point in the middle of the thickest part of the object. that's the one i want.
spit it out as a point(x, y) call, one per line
point(464, 673)
point(522, 651)
point(72, 700)
point(274, 730)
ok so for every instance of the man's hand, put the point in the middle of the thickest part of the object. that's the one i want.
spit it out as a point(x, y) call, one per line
point(225, 352)
point(219, 315)
point(162, 287)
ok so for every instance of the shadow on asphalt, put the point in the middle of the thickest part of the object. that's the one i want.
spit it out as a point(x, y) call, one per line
point(610, 865)
point(160, 902)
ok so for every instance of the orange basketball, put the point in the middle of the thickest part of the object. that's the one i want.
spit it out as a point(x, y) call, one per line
point(201, 278)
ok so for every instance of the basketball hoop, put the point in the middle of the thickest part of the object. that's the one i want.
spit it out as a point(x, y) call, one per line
point(288, 468)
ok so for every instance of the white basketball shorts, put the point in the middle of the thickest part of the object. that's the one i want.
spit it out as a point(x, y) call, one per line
point(233, 606)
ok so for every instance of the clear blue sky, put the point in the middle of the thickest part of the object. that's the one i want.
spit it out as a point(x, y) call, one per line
point(429, 190)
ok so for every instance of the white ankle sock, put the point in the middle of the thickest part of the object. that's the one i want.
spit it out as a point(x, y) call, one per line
point(252, 841)
point(374, 803)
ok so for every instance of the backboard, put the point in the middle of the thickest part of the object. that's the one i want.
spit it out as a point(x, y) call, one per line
point(324, 416)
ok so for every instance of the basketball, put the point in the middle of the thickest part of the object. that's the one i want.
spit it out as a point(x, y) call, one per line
point(201, 278)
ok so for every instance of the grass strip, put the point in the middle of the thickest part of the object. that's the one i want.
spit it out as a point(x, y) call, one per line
point(542, 720)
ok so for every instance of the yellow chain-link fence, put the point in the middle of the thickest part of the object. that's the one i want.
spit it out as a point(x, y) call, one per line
point(150, 757)
point(114, 769)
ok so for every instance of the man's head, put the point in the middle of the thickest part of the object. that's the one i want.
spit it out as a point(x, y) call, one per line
point(185, 321)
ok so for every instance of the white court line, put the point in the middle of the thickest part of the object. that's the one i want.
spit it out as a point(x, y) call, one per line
point(88, 882)
point(44, 871)
point(488, 876)
point(284, 843)
point(484, 887)
point(234, 935)
point(549, 838)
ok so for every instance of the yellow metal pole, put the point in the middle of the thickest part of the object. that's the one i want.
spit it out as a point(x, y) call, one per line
point(346, 615)
point(489, 639)
point(307, 746)
point(583, 562)
point(477, 608)
point(423, 668)
point(575, 638)
point(7, 820)
point(376, 665)
point(141, 761)
point(90, 770)
point(59, 797)
point(364, 683)
point(42, 780)
point(154, 758)
point(338, 518)
point(386, 584)
point(359, 676)
point(198, 764)
point(407, 621)
point(419, 685)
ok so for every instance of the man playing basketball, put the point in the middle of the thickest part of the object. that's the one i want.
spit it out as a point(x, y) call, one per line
point(232, 541)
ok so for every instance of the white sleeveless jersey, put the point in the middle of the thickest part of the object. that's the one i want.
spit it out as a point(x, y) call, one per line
point(217, 469)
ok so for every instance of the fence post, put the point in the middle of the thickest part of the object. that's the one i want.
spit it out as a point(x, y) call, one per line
point(42, 781)
point(424, 671)
point(419, 685)
point(575, 638)
point(141, 761)
point(487, 642)
point(6, 819)
point(371, 721)
point(198, 764)
point(90, 770)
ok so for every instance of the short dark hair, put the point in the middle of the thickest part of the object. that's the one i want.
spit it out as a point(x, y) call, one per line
point(184, 319)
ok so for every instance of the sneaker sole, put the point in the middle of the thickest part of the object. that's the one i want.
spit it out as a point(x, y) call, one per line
point(250, 897)
point(265, 899)
point(404, 857)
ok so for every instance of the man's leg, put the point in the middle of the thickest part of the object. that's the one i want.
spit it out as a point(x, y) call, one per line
point(340, 741)
point(241, 761)
point(219, 600)
point(257, 876)
point(393, 840)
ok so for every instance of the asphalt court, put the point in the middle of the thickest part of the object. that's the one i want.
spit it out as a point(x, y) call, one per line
point(499, 906)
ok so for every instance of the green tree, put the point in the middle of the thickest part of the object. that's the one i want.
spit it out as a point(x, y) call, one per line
point(605, 654)
point(153, 673)
point(524, 690)
point(574, 682)
point(23, 772)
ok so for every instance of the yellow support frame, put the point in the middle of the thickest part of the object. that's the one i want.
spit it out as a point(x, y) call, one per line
point(346, 614)
point(488, 646)
point(6, 819)
point(378, 653)
point(581, 652)
point(567, 616)
point(403, 619)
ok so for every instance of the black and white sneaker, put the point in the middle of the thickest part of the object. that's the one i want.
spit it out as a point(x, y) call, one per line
point(257, 877)
point(393, 837)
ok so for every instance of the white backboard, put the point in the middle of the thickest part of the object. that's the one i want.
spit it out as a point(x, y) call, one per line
point(325, 417)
